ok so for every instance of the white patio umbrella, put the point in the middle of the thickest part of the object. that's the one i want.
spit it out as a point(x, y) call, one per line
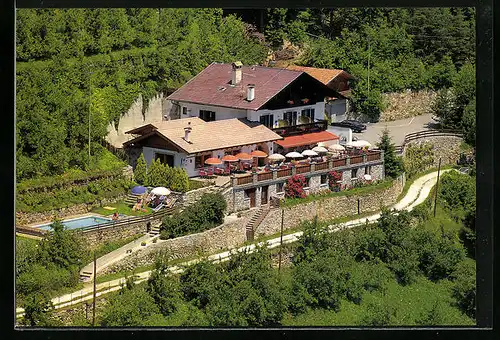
point(360, 144)
point(309, 153)
point(320, 149)
point(160, 191)
point(293, 155)
point(276, 157)
point(336, 147)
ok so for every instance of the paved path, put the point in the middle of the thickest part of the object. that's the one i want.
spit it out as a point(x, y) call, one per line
point(417, 193)
point(398, 129)
point(116, 255)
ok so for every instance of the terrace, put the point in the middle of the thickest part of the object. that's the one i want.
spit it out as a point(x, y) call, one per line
point(342, 162)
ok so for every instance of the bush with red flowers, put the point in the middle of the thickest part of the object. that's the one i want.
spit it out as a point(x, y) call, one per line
point(333, 180)
point(295, 187)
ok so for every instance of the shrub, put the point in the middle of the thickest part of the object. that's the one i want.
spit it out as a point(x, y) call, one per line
point(333, 178)
point(439, 255)
point(38, 311)
point(464, 288)
point(418, 158)
point(140, 170)
point(132, 307)
point(295, 187)
point(377, 315)
point(163, 287)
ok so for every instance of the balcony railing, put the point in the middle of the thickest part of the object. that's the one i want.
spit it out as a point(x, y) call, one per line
point(244, 179)
point(302, 169)
point(373, 157)
point(321, 166)
point(264, 176)
point(339, 162)
point(301, 128)
point(284, 173)
point(356, 159)
point(305, 169)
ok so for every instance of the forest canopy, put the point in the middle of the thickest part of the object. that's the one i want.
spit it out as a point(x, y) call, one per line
point(76, 65)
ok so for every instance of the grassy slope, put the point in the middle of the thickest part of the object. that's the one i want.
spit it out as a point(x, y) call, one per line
point(409, 302)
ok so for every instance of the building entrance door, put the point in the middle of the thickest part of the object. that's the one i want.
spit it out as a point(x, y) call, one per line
point(251, 195)
point(264, 195)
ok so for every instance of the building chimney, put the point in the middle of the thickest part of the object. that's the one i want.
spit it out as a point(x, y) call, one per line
point(187, 131)
point(251, 92)
point(236, 75)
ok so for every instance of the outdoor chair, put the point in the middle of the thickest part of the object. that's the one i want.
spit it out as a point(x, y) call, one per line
point(226, 172)
point(219, 171)
point(210, 173)
point(202, 173)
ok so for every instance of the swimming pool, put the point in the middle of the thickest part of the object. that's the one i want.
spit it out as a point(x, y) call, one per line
point(78, 223)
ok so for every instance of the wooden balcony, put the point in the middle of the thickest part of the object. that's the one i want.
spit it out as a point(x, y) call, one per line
point(373, 156)
point(357, 159)
point(321, 166)
point(264, 176)
point(339, 162)
point(301, 128)
point(244, 179)
point(284, 173)
point(302, 169)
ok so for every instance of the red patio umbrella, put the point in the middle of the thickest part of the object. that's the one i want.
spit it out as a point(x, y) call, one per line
point(229, 158)
point(243, 156)
point(258, 154)
point(212, 161)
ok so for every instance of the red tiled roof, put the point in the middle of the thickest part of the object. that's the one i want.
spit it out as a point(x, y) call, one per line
point(324, 75)
point(212, 86)
point(306, 139)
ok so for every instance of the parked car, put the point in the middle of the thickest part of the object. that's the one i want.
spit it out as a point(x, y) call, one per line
point(354, 125)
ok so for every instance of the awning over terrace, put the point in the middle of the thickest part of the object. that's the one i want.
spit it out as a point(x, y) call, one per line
point(306, 139)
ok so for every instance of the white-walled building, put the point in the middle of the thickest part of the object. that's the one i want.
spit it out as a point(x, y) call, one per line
point(187, 143)
point(271, 96)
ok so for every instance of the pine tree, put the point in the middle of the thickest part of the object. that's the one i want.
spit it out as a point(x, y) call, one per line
point(140, 170)
point(393, 164)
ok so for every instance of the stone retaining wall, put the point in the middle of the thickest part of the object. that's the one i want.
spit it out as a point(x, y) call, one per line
point(328, 209)
point(226, 236)
point(24, 218)
point(233, 234)
point(445, 147)
point(99, 236)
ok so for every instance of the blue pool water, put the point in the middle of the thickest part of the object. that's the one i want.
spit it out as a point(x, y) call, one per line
point(79, 223)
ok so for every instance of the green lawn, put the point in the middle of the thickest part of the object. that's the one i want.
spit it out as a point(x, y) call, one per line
point(194, 184)
point(121, 208)
point(408, 302)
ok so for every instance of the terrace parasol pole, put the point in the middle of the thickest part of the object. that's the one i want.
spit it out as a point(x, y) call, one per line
point(281, 238)
point(93, 308)
point(437, 183)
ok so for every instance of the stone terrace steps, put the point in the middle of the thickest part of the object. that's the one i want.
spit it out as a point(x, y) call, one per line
point(131, 199)
point(255, 220)
point(155, 230)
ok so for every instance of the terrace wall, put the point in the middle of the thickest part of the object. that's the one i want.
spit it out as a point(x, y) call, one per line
point(233, 233)
point(329, 208)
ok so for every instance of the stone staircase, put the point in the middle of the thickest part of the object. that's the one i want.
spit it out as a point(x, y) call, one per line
point(86, 276)
point(155, 229)
point(255, 221)
point(131, 199)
